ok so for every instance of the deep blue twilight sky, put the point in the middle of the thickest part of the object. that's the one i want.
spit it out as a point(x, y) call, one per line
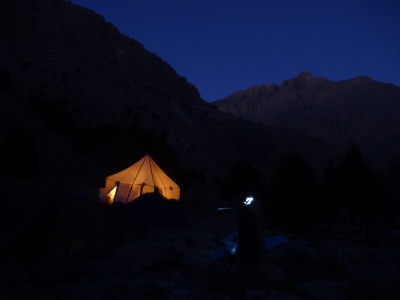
point(222, 46)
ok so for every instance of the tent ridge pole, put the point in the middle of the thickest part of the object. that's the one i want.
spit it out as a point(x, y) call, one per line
point(130, 190)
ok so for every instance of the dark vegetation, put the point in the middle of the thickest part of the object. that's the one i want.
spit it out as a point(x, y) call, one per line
point(343, 217)
point(353, 186)
point(295, 199)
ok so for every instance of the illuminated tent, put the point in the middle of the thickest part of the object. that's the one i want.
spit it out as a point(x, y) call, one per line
point(143, 177)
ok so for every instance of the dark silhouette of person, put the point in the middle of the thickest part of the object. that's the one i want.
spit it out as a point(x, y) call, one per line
point(248, 234)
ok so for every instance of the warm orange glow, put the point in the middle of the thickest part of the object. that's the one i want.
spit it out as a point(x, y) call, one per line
point(140, 178)
point(109, 199)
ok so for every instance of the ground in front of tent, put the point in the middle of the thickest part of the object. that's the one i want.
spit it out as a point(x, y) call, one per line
point(156, 211)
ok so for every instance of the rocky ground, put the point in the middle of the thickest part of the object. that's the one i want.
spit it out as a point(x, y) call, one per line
point(190, 262)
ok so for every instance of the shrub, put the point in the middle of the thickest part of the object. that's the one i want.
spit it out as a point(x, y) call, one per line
point(354, 186)
point(292, 193)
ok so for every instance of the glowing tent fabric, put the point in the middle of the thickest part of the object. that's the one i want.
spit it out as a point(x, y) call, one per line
point(143, 177)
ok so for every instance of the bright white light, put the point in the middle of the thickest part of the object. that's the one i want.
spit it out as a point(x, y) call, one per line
point(248, 200)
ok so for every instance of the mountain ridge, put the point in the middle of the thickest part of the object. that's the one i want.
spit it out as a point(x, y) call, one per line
point(68, 74)
point(359, 110)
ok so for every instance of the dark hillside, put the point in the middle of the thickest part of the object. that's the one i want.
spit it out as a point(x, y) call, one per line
point(359, 110)
point(85, 92)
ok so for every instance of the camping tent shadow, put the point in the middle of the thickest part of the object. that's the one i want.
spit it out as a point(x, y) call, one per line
point(83, 233)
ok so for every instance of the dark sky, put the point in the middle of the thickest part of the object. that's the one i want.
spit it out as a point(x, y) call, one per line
point(222, 46)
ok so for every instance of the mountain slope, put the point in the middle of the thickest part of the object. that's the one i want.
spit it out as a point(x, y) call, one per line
point(358, 110)
point(71, 80)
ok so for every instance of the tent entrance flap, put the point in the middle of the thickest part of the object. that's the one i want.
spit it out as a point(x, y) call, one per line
point(111, 195)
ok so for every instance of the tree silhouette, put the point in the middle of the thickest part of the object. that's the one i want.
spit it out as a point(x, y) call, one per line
point(361, 190)
point(291, 197)
point(328, 193)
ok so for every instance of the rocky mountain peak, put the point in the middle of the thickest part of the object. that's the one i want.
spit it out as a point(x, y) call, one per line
point(303, 80)
point(360, 110)
point(303, 76)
